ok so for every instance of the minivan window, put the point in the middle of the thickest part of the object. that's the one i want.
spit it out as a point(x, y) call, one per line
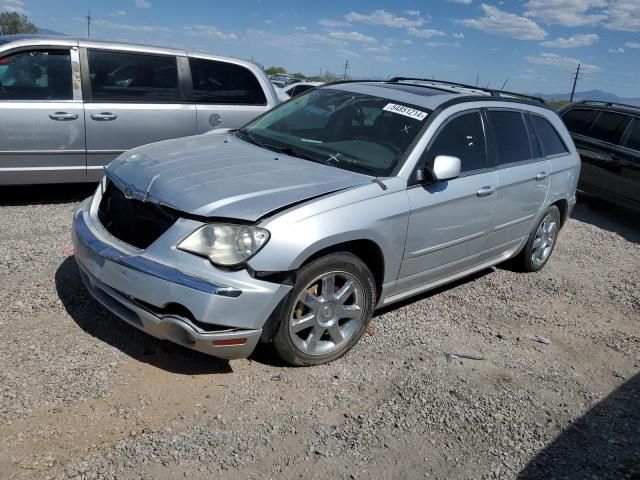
point(133, 77)
point(36, 75)
point(578, 120)
point(224, 83)
point(609, 127)
point(633, 137)
point(549, 138)
point(461, 137)
point(513, 139)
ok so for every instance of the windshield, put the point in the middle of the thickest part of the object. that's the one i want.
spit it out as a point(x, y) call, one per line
point(353, 131)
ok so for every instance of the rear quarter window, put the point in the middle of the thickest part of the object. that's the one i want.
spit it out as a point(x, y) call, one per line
point(224, 83)
point(633, 137)
point(549, 138)
point(579, 120)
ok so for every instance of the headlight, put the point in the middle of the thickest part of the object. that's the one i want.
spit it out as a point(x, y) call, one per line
point(225, 244)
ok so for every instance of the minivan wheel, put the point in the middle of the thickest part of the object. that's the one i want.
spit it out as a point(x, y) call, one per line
point(327, 310)
point(541, 242)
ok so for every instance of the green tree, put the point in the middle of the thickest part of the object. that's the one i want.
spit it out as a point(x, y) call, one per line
point(299, 75)
point(12, 23)
point(275, 70)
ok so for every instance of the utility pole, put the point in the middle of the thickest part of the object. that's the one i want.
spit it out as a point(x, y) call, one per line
point(477, 79)
point(89, 24)
point(575, 80)
point(346, 67)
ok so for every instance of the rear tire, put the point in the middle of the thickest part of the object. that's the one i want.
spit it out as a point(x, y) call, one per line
point(542, 241)
point(327, 311)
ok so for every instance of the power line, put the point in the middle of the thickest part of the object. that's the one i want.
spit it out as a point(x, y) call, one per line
point(575, 80)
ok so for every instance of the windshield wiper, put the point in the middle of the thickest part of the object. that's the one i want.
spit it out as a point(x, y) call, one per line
point(289, 151)
point(245, 135)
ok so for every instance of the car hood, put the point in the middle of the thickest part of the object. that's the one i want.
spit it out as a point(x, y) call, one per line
point(219, 175)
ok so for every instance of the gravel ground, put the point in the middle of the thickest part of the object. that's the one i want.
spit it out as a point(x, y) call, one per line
point(84, 395)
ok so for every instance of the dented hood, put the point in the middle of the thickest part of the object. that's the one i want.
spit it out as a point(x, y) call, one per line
point(219, 175)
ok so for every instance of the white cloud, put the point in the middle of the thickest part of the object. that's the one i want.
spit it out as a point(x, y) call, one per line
point(632, 44)
point(300, 29)
point(424, 32)
point(130, 28)
point(298, 42)
point(458, 35)
point(381, 49)
point(462, 2)
point(443, 44)
point(142, 3)
point(412, 13)
point(119, 13)
point(555, 60)
point(568, 13)
point(616, 50)
point(382, 17)
point(506, 24)
point(17, 6)
point(352, 37)
point(573, 41)
point(208, 31)
point(325, 22)
point(623, 15)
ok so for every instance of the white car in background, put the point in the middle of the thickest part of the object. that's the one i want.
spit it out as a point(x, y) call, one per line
point(294, 90)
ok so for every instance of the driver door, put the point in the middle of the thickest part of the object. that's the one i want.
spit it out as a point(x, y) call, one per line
point(449, 221)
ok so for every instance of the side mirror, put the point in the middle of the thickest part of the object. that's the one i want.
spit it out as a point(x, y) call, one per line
point(445, 167)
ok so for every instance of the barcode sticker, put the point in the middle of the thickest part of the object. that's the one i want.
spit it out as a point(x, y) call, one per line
point(406, 111)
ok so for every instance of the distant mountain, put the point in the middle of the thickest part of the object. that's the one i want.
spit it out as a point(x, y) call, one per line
point(598, 95)
point(46, 31)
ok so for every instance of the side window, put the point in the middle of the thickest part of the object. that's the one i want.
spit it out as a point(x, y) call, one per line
point(633, 137)
point(549, 138)
point(133, 77)
point(224, 83)
point(461, 137)
point(578, 120)
point(36, 75)
point(609, 127)
point(512, 139)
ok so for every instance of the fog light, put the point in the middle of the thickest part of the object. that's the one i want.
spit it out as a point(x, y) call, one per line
point(229, 341)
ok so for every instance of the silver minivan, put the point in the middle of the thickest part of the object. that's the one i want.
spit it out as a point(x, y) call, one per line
point(294, 228)
point(70, 106)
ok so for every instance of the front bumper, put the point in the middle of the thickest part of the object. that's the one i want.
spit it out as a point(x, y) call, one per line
point(229, 309)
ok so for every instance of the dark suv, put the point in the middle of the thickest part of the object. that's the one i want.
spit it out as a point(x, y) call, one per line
point(607, 136)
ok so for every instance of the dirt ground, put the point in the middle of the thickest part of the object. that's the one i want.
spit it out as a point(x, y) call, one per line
point(84, 395)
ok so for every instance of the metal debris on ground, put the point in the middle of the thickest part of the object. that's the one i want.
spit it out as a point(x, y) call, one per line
point(540, 339)
point(450, 356)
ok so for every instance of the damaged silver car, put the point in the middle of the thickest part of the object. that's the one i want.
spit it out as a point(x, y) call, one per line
point(293, 229)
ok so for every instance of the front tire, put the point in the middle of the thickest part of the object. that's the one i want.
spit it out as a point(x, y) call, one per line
point(327, 311)
point(541, 243)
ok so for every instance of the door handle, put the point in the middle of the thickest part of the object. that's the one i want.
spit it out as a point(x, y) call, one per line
point(488, 190)
point(63, 116)
point(104, 116)
point(542, 175)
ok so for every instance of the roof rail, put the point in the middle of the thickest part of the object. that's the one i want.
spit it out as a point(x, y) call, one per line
point(609, 104)
point(492, 91)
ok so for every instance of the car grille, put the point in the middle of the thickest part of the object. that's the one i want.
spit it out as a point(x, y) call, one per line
point(132, 221)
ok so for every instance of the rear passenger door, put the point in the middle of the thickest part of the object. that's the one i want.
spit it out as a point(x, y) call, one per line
point(523, 176)
point(41, 116)
point(226, 95)
point(131, 99)
point(630, 165)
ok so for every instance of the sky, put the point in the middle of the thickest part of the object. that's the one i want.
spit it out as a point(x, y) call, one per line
point(533, 45)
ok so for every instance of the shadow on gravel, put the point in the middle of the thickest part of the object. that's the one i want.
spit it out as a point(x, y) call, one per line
point(608, 217)
point(45, 194)
point(99, 323)
point(602, 444)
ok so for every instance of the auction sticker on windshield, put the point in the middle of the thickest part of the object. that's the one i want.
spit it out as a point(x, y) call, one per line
point(406, 111)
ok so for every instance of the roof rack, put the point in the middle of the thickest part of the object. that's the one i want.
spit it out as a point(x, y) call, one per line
point(609, 104)
point(492, 91)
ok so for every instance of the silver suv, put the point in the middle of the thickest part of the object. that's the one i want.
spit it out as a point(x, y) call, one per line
point(294, 228)
point(70, 106)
